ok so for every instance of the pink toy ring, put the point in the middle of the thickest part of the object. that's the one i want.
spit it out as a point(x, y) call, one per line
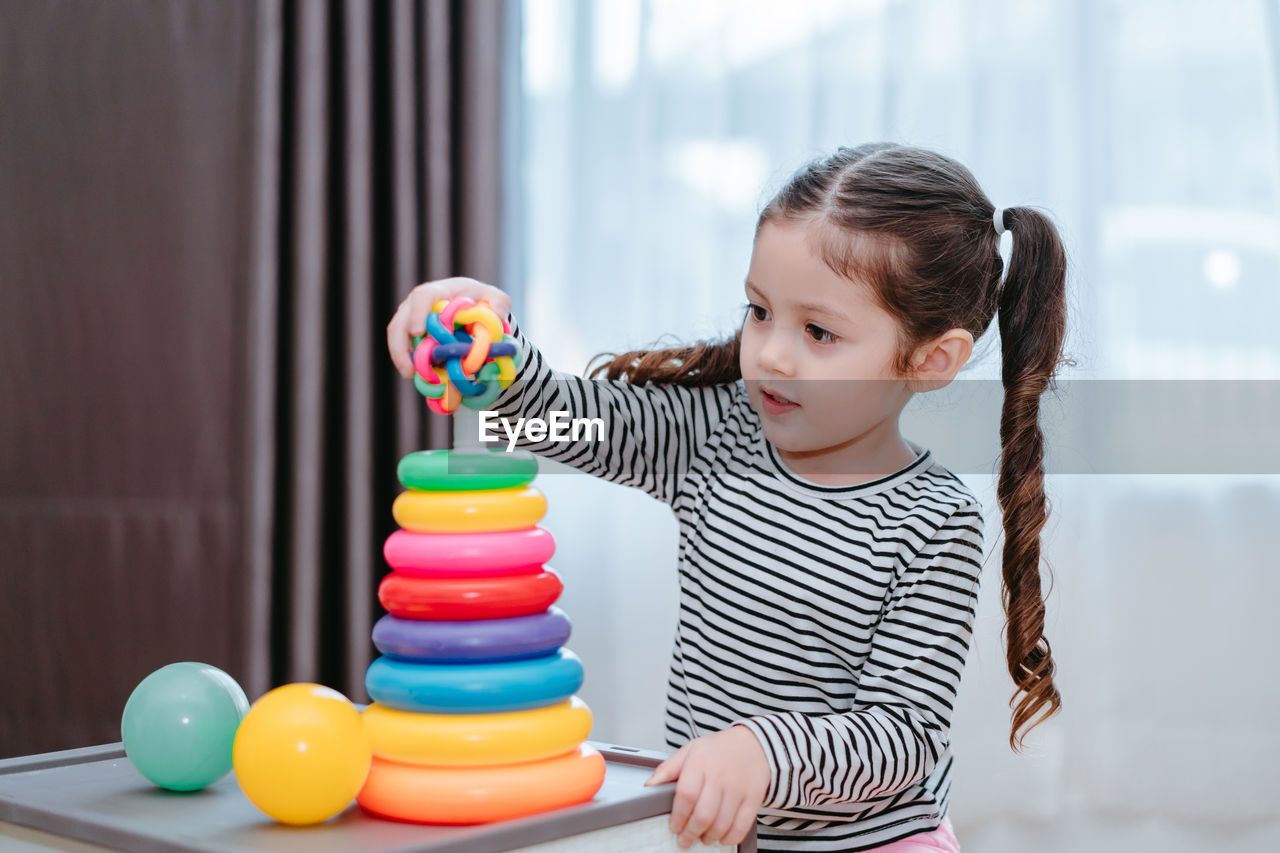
point(457, 555)
point(422, 363)
point(448, 309)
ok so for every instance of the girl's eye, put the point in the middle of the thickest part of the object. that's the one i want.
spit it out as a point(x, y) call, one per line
point(820, 334)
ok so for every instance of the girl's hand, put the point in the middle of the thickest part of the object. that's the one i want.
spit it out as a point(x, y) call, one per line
point(722, 780)
point(410, 318)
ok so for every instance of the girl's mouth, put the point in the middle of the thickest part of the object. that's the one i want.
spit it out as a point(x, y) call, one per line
point(775, 404)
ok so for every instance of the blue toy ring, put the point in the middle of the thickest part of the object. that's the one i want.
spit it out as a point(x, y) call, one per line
point(443, 352)
point(437, 330)
point(485, 688)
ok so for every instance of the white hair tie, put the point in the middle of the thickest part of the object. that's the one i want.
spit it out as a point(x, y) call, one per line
point(998, 219)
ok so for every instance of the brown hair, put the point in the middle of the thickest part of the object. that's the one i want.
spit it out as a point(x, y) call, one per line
point(918, 228)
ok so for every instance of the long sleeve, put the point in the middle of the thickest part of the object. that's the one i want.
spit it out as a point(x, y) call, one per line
point(651, 433)
point(898, 728)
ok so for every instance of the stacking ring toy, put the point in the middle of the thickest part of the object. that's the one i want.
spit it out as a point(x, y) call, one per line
point(454, 471)
point(465, 740)
point(469, 512)
point(484, 688)
point(458, 555)
point(468, 795)
point(477, 356)
point(473, 641)
point(461, 599)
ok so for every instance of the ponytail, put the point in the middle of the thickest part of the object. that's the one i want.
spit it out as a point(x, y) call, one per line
point(698, 365)
point(1032, 321)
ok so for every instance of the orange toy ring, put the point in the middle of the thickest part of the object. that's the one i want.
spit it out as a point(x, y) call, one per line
point(479, 352)
point(468, 795)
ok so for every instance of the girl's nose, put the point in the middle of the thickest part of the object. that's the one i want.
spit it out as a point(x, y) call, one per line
point(774, 355)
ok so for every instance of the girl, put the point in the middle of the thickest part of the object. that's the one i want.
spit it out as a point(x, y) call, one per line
point(828, 567)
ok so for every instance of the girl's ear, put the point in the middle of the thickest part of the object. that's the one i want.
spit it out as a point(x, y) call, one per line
point(936, 363)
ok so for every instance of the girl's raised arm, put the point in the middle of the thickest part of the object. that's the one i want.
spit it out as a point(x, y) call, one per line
point(645, 436)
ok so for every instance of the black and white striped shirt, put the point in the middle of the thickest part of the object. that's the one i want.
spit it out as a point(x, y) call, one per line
point(832, 621)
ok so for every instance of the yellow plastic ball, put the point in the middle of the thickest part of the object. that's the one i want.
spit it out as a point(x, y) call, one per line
point(302, 753)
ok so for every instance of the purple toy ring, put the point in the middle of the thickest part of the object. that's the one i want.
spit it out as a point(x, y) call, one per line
point(473, 641)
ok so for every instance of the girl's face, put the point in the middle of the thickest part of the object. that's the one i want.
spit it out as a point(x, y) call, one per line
point(817, 351)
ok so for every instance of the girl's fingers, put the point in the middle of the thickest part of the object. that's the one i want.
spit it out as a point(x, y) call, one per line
point(724, 819)
point(742, 823)
point(500, 303)
point(399, 343)
point(668, 770)
point(420, 301)
point(705, 812)
point(688, 791)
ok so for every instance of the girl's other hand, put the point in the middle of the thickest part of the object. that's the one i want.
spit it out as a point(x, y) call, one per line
point(721, 780)
point(410, 318)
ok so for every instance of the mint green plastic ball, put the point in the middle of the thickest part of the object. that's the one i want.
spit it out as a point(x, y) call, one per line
point(179, 724)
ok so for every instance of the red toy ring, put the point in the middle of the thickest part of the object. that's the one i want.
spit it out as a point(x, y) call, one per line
point(468, 598)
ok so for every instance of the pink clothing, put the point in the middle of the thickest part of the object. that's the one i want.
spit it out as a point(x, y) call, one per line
point(941, 840)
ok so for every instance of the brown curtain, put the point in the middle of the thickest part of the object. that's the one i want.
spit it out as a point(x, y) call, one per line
point(208, 211)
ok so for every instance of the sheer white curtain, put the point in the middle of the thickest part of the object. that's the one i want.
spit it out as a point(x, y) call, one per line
point(653, 130)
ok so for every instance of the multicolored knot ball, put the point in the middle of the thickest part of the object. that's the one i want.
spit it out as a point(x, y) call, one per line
point(467, 355)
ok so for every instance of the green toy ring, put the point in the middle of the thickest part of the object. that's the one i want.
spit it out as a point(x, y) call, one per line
point(454, 471)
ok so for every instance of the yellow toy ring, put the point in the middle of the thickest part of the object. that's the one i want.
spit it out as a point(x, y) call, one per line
point(469, 512)
point(484, 315)
point(466, 795)
point(464, 740)
point(506, 370)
